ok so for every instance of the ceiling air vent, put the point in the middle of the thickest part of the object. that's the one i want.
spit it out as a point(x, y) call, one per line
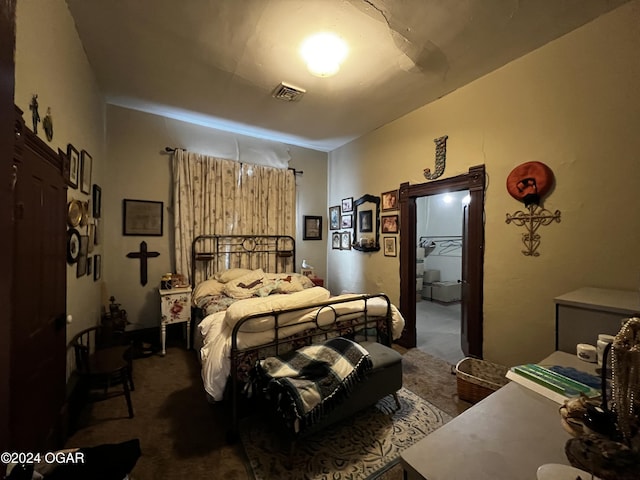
point(288, 92)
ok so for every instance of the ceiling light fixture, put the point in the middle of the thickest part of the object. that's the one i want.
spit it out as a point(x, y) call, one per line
point(323, 53)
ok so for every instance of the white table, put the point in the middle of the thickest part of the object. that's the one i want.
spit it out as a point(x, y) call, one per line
point(508, 435)
point(176, 308)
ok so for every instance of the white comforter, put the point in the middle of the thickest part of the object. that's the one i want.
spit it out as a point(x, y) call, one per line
point(216, 328)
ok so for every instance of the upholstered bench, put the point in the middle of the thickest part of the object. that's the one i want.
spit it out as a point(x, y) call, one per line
point(385, 378)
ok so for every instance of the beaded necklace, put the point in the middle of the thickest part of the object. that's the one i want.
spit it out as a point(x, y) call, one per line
point(625, 376)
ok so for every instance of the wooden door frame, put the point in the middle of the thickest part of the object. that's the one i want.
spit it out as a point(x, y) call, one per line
point(7, 120)
point(474, 181)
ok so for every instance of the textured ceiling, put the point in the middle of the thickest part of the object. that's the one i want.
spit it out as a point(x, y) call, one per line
point(216, 62)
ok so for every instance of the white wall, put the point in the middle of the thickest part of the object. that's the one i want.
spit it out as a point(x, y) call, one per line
point(572, 104)
point(441, 216)
point(138, 168)
point(50, 62)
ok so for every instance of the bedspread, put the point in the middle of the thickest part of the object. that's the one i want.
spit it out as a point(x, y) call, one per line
point(217, 333)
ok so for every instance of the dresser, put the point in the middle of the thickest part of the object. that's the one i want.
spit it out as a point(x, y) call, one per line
point(584, 313)
point(506, 436)
point(176, 308)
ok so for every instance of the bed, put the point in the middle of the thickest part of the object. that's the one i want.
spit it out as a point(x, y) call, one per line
point(249, 304)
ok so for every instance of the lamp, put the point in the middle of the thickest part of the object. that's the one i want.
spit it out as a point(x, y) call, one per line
point(323, 53)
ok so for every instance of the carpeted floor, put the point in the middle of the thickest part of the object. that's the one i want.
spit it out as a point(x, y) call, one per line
point(182, 436)
point(355, 449)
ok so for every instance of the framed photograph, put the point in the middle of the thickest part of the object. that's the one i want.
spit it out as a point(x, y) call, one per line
point(389, 244)
point(96, 233)
point(390, 200)
point(91, 233)
point(334, 218)
point(346, 221)
point(89, 266)
point(347, 204)
point(312, 228)
point(307, 272)
point(365, 221)
point(73, 245)
point(390, 223)
point(142, 217)
point(85, 181)
point(66, 165)
point(74, 165)
point(345, 241)
point(82, 257)
point(97, 201)
point(97, 267)
point(335, 241)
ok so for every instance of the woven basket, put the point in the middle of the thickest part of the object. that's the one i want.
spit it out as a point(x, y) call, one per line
point(478, 379)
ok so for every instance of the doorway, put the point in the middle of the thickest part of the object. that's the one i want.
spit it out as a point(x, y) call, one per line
point(439, 220)
point(472, 256)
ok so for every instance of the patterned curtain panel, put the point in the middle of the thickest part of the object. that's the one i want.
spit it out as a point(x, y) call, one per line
point(224, 197)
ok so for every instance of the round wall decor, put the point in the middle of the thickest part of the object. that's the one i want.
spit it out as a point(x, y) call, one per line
point(73, 245)
point(74, 213)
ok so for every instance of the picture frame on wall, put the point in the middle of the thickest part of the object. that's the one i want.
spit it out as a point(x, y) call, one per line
point(85, 180)
point(365, 221)
point(97, 201)
point(389, 246)
point(142, 217)
point(66, 165)
point(390, 200)
point(81, 269)
point(89, 266)
point(345, 241)
point(346, 221)
point(312, 228)
point(74, 165)
point(347, 204)
point(390, 223)
point(97, 267)
point(334, 218)
point(335, 241)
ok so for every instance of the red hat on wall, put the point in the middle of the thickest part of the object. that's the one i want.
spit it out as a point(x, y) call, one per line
point(529, 182)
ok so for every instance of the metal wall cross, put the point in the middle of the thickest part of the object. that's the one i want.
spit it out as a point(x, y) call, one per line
point(534, 219)
point(143, 255)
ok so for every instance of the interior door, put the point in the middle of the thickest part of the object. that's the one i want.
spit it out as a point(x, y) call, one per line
point(473, 243)
point(38, 333)
point(464, 304)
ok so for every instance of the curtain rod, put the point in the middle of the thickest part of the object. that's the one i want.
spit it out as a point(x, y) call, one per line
point(173, 149)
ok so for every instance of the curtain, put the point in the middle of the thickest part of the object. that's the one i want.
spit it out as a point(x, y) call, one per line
point(224, 197)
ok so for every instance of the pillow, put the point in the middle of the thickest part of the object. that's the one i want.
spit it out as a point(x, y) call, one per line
point(231, 274)
point(305, 281)
point(287, 282)
point(247, 285)
point(207, 288)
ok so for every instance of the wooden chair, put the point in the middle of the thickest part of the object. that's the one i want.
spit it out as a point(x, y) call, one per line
point(102, 361)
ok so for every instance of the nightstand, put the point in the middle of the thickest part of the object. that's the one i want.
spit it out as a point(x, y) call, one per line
point(318, 282)
point(176, 308)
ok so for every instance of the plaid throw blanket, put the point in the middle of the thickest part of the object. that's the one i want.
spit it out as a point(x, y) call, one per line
point(309, 382)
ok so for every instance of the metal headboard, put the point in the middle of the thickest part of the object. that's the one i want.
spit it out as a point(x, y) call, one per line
point(216, 253)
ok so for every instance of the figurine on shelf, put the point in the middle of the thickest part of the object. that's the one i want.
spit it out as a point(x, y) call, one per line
point(35, 116)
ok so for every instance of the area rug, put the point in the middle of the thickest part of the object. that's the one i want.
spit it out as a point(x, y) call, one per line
point(360, 448)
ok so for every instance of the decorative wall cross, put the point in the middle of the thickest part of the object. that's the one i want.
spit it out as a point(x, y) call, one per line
point(441, 159)
point(143, 255)
point(534, 219)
